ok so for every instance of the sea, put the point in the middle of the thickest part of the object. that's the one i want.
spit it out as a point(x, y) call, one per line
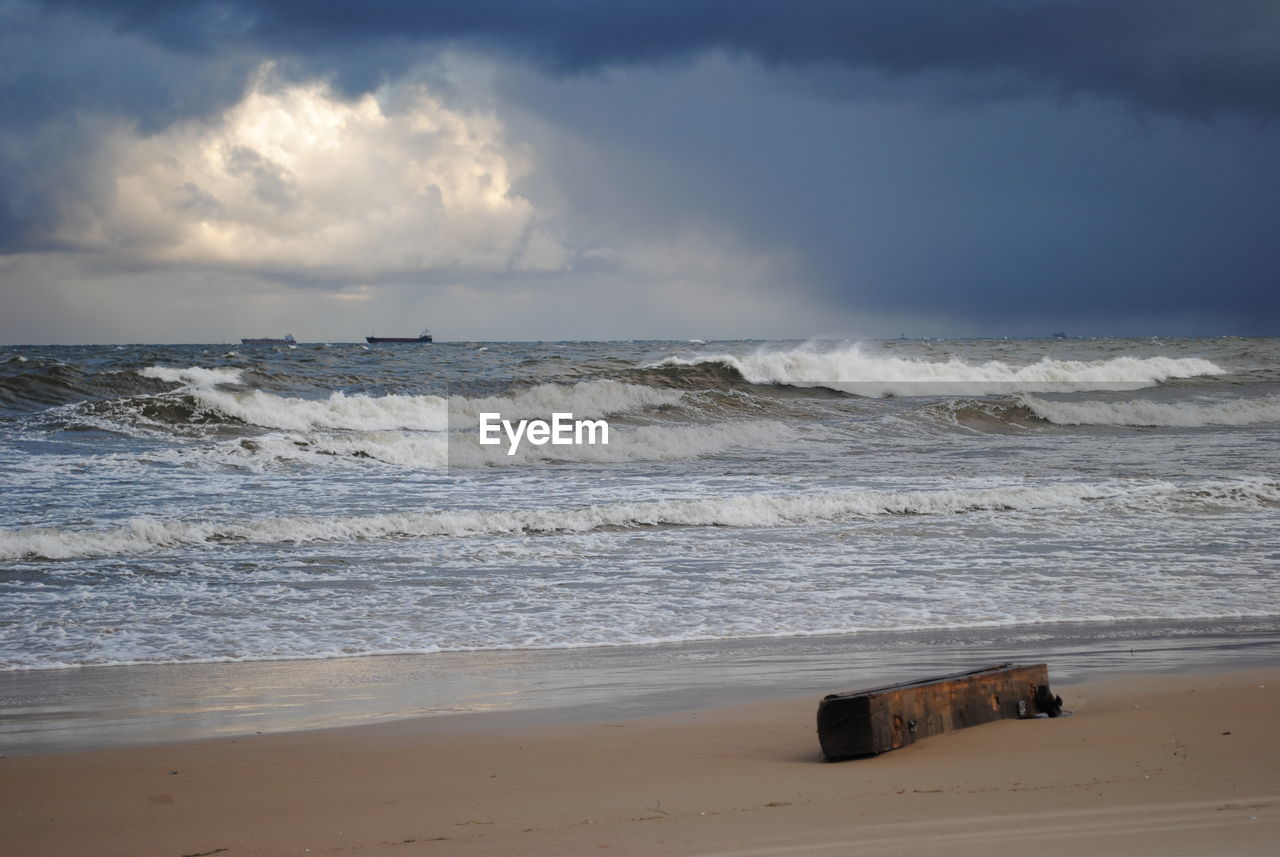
point(230, 503)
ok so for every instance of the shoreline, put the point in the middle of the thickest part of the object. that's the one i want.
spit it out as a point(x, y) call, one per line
point(1181, 763)
point(134, 705)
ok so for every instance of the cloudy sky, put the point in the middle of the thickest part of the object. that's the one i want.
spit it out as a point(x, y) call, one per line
point(511, 169)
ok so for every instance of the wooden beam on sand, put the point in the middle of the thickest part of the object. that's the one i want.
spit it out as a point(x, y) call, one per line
point(869, 722)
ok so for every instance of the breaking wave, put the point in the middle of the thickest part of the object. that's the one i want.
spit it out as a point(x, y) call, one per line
point(641, 443)
point(743, 510)
point(585, 399)
point(1236, 412)
point(851, 370)
point(362, 412)
point(193, 376)
point(995, 415)
point(38, 385)
point(339, 411)
point(461, 449)
point(203, 400)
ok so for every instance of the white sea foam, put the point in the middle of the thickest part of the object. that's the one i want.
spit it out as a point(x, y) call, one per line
point(585, 399)
point(361, 412)
point(193, 376)
point(841, 516)
point(339, 411)
point(437, 450)
point(852, 370)
point(414, 450)
point(1233, 412)
point(640, 443)
point(144, 535)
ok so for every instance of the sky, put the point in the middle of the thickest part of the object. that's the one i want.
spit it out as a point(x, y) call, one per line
point(637, 169)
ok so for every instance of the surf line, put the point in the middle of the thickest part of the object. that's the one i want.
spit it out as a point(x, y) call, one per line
point(562, 430)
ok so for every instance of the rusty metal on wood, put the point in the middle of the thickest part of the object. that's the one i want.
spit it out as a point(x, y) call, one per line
point(867, 722)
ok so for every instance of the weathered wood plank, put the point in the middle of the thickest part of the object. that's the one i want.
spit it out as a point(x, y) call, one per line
point(868, 722)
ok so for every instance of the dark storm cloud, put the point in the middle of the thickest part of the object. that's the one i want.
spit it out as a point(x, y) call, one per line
point(1178, 56)
point(60, 64)
point(975, 161)
point(64, 81)
point(993, 217)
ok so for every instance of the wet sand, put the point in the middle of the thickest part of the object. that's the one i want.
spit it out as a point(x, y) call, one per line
point(102, 706)
point(1170, 764)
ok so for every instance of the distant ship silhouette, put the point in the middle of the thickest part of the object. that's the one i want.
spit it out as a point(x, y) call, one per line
point(425, 336)
point(288, 340)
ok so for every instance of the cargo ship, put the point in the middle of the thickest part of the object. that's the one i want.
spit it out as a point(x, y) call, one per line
point(288, 340)
point(425, 336)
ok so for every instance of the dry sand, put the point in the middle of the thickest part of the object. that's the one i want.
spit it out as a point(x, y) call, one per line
point(1180, 764)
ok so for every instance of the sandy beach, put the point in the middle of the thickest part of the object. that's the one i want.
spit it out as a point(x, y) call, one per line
point(457, 429)
point(1178, 763)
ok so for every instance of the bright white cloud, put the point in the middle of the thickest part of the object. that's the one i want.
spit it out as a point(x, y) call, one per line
point(294, 178)
point(299, 210)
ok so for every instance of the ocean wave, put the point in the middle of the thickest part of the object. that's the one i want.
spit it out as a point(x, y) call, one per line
point(411, 450)
point(41, 386)
point(418, 450)
point(851, 370)
point(193, 376)
point(144, 535)
point(720, 375)
point(38, 385)
point(361, 412)
point(585, 399)
point(990, 415)
point(357, 411)
point(631, 443)
point(1233, 412)
point(202, 400)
